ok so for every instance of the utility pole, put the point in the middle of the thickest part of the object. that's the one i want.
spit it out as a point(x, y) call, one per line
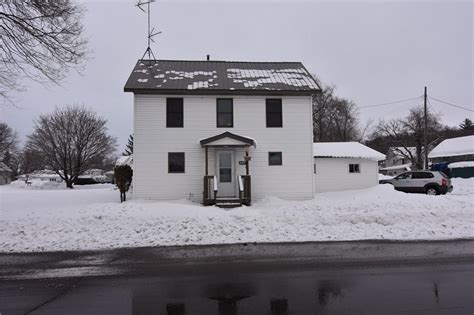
point(426, 134)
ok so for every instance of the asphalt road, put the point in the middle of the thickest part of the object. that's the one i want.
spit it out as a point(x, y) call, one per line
point(224, 280)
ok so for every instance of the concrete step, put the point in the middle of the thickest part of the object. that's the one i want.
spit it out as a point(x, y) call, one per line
point(228, 205)
point(228, 202)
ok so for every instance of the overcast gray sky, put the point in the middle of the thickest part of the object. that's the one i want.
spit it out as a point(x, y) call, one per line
point(373, 51)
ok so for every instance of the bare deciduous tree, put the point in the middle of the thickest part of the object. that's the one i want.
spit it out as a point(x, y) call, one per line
point(409, 131)
point(8, 139)
point(31, 160)
point(70, 139)
point(40, 40)
point(334, 118)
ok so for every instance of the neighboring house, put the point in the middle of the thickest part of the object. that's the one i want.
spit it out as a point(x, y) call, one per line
point(344, 166)
point(91, 176)
point(5, 174)
point(453, 150)
point(398, 160)
point(93, 172)
point(241, 129)
point(41, 175)
point(455, 154)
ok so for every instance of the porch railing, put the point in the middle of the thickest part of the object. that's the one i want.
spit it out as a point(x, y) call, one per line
point(210, 190)
point(245, 189)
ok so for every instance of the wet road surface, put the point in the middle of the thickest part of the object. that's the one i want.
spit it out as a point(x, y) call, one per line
point(251, 287)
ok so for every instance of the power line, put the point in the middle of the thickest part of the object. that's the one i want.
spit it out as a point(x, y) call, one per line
point(391, 103)
point(450, 104)
point(430, 106)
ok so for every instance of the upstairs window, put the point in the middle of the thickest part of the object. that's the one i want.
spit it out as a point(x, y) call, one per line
point(275, 158)
point(225, 113)
point(174, 113)
point(354, 168)
point(176, 162)
point(274, 112)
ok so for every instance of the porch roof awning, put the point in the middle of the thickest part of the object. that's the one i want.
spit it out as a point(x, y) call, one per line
point(227, 139)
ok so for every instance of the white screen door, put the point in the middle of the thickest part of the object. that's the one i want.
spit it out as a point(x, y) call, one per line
point(225, 174)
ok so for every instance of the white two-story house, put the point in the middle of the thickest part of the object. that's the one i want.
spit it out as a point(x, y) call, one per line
point(222, 132)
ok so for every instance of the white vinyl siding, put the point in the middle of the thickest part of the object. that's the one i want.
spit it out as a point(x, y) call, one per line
point(153, 141)
point(332, 174)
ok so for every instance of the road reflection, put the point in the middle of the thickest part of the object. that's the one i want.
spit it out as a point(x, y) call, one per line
point(236, 290)
point(315, 292)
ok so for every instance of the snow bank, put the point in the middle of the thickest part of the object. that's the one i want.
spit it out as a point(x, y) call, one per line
point(46, 220)
point(52, 185)
point(38, 184)
point(382, 176)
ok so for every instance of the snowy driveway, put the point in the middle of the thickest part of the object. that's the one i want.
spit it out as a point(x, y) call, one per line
point(85, 218)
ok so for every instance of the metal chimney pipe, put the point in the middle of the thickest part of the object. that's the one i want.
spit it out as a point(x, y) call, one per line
point(208, 57)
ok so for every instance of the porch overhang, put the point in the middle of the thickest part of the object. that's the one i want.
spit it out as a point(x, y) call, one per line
point(227, 139)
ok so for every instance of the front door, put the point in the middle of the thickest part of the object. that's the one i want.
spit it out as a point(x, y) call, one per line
point(225, 174)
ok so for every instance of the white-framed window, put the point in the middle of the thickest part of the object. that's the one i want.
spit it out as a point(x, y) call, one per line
point(314, 168)
point(354, 168)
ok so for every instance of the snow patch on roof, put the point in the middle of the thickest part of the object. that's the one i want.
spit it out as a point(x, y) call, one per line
point(346, 150)
point(453, 147)
point(201, 84)
point(191, 75)
point(142, 80)
point(254, 77)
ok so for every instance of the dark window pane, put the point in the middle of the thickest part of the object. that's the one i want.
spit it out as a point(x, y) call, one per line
point(404, 176)
point(225, 175)
point(354, 168)
point(274, 158)
point(422, 175)
point(274, 112)
point(174, 112)
point(176, 162)
point(225, 112)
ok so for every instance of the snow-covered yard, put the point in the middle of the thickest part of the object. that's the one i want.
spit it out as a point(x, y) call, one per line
point(91, 217)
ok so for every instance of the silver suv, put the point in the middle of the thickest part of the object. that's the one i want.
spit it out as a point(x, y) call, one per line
point(427, 182)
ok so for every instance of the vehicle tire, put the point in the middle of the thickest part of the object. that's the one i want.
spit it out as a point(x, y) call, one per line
point(432, 191)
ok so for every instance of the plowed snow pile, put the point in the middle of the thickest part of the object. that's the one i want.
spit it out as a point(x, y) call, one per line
point(85, 218)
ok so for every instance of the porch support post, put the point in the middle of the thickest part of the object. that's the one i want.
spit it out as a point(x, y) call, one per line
point(207, 162)
point(247, 171)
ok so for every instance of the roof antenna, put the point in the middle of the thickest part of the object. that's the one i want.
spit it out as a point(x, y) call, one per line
point(151, 32)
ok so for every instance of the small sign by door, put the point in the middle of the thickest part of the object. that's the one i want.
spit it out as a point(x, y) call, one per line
point(242, 162)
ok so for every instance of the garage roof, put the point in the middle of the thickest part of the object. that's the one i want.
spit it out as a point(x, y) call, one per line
point(345, 150)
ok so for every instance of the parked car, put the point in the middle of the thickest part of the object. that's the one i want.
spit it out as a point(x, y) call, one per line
point(427, 182)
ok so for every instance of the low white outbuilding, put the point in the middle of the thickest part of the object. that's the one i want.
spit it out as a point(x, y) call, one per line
point(344, 166)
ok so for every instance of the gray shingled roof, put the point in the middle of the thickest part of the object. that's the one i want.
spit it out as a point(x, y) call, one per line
point(220, 77)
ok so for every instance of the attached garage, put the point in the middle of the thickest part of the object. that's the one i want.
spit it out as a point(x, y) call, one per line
point(344, 166)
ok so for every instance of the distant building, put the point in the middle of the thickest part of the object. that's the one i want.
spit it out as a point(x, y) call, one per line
point(453, 150)
point(344, 166)
point(91, 176)
point(398, 160)
point(42, 175)
point(455, 154)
